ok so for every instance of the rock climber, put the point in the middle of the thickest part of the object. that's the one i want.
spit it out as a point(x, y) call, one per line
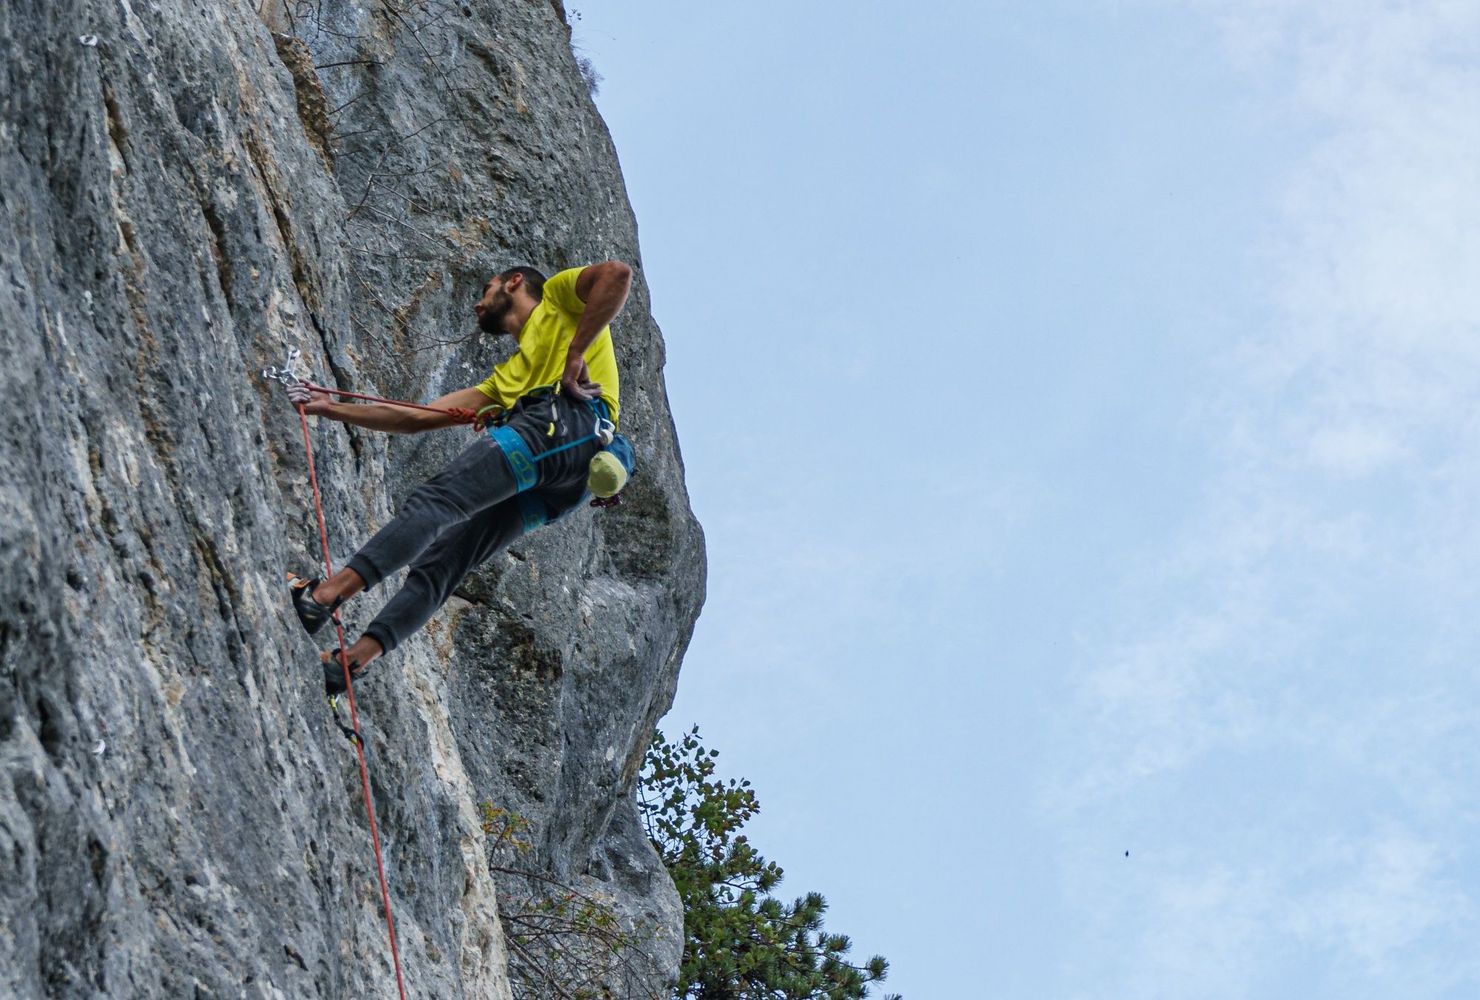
point(552, 411)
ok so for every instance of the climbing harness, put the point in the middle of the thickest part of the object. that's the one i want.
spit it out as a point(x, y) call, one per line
point(288, 376)
point(609, 467)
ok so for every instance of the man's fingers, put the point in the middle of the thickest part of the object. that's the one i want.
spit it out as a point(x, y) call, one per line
point(583, 390)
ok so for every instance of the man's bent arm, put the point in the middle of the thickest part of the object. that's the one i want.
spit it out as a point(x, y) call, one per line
point(603, 287)
point(399, 419)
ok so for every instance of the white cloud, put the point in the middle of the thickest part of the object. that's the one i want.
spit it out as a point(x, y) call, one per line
point(1315, 629)
point(1353, 449)
point(1393, 892)
point(1261, 927)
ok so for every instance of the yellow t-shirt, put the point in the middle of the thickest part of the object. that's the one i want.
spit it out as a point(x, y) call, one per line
point(543, 343)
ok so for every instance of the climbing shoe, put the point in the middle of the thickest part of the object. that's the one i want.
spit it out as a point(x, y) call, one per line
point(311, 613)
point(334, 672)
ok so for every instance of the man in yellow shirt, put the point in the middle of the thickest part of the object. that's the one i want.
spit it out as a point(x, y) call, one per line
point(553, 406)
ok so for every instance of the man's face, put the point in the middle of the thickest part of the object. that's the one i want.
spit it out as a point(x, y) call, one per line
point(493, 306)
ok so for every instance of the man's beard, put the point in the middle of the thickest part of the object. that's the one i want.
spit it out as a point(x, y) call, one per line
point(492, 320)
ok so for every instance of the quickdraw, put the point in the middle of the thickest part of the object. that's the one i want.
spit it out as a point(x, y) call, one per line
point(350, 732)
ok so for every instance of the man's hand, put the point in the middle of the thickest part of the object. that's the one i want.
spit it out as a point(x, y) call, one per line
point(576, 380)
point(313, 404)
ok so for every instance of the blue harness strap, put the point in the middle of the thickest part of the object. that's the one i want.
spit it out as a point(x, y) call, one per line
point(521, 460)
point(532, 511)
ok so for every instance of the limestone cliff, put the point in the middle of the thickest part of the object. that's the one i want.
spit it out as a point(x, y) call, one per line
point(191, 187)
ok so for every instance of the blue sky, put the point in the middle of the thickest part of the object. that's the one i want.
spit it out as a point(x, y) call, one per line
point(1080, 402)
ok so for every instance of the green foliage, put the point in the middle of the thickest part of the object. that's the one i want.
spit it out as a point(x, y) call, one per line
point(741, 943)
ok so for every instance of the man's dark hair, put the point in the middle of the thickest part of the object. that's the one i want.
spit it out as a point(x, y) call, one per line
point(533, 280)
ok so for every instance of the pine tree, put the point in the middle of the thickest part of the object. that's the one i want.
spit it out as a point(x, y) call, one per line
point(741, 942)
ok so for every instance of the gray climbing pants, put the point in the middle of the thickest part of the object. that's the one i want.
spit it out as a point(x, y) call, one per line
point(474, 508)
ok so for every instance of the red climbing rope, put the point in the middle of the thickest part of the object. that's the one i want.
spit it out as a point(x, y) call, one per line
point(354, 717)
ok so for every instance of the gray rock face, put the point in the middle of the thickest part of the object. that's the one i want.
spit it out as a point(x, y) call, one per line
point(185, 197)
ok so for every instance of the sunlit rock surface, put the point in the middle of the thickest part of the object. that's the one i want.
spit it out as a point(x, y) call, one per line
point(191, 187)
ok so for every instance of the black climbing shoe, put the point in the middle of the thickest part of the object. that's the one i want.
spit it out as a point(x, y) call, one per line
point(334, 672)
point(311, 613)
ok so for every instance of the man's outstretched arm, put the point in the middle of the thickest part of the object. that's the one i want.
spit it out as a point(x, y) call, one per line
point(394, 419)
point(603, 287)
